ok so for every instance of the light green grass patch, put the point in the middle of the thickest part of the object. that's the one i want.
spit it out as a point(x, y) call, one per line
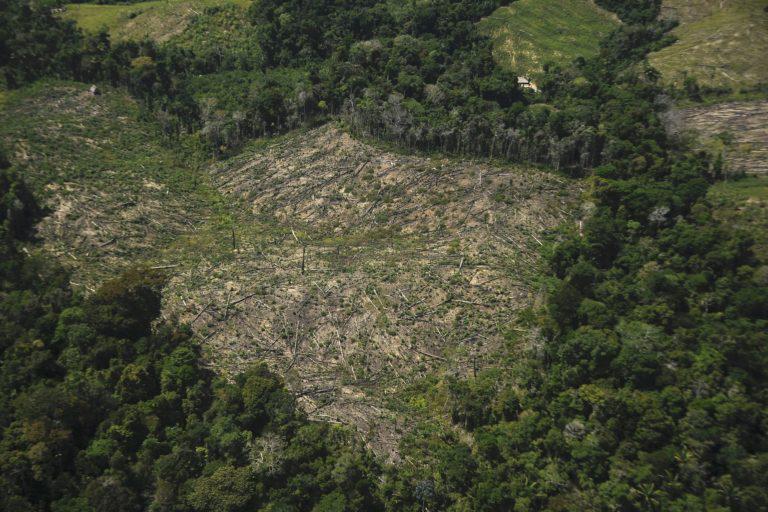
point(225, 30)
point(743, 204)
point(158, 19)
point(118, 192)
point(720, 43)
point(529, 33)
point(750, 188)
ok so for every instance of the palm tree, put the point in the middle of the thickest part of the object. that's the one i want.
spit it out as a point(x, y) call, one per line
point(649, 496)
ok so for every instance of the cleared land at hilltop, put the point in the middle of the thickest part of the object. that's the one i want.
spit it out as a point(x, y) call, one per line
point(720, 43)
point(158, 19)
point(529, 33)
point(412, 266)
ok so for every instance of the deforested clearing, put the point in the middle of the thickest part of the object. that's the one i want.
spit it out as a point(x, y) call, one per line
point(737, 130)
point(117, 195)
point(355, 271)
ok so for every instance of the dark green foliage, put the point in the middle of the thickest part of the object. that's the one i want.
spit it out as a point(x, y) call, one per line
point(34, 43)
point(651, 391)
point(18, 208)
point(99, 410)
point(648, 393)
point(126, 306)
point(633, 11)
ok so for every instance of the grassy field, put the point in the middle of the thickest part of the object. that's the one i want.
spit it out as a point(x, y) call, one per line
point(158, 19)
point(720, 43)
point(743, 204)
point(529, 33)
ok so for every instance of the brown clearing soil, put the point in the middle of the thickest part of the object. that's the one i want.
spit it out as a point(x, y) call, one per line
point(743, 126)
point(411, 265)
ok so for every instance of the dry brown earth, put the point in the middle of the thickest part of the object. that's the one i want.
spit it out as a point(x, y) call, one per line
point(411, 265)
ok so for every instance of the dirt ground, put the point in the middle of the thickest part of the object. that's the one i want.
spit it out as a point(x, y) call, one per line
point(98, 232)
point(352, 271)
point(362, 270)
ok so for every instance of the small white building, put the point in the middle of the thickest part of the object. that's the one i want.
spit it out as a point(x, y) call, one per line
point(525, 83)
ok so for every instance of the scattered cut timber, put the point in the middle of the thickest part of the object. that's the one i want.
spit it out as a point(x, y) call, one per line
point(362, 270)
point(351, 270)
point(739, 130)
point(116, 196)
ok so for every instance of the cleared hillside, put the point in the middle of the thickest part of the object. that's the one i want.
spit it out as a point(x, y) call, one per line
point(363, 270)
point(159, 20)
point(529, 33)
point(737, 130)
point(116, 194)
point(353, 271)
point(721, 43)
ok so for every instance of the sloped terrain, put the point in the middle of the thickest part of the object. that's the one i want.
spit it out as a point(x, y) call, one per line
point(743, 204)
point(116, 194)
point(353, 271)
point(529, 33)
point(721, 43)
point(362, 270)
point(159, 20)
point(737, 130)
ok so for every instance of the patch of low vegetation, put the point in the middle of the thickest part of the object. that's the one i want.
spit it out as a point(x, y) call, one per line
point(226, 30)
point(116, 192)
point(159, 20)
point(743, 204)
point(720, 44)
point(529, 33)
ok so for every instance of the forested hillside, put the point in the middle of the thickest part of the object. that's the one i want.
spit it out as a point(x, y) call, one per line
point(102, 410)
point(630, 376)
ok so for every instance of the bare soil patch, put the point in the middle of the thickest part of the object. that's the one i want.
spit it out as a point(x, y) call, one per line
point(357, 271)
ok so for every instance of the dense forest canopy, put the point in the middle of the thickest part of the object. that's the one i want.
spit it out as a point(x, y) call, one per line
point(649, 394)
point(416, 74)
